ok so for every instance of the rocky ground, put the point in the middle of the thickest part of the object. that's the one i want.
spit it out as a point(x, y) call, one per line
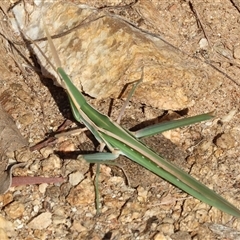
point(207, 33)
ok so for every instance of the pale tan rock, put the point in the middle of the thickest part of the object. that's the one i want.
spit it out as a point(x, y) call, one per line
point(75, 178)
point(142, 194)
point(82, 194)
point(7, 198)
point(225, 141)
point(129, 212)
point(46, 151)
point(15, 210)
point(103, 53)
point(229, 116)
point(173, 135)
point(51, 163)
point(236, 52)
point(167, 228)
point(77, 226)
point(203, 43)
point(3, 235)
point(6, 227)
point(42, 221)
point(23, 154)
point(74, 166)
point(42, 187)
point(67, 146)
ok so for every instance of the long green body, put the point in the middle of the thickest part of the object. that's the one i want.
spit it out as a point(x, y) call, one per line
point(121, 141)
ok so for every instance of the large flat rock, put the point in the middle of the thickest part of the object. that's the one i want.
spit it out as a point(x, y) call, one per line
point(104, 53)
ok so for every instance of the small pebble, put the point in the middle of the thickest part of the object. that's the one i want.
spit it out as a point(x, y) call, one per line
point(26, 119)
point(7, 198)
point(6, 226)
point(23, 154)
point(42, 221)
point(225, 141)
point(3, 235)
point(82, 194)
point(51, 163)
point(142, 194)
point(167, 228)
point(18, 224)
point(229, 116)
point(236, 52)
point(203, 43)
point(77, 226)
point(36, 201)
point(36, 208)
point(74, 166)
point(15, 210)
point(53, 192)
point(173, 135)
point(76, 178)
point(67, 146)
point(46, 152)
point(42, 187)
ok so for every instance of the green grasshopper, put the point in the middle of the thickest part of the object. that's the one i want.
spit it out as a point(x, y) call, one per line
point(120, 141)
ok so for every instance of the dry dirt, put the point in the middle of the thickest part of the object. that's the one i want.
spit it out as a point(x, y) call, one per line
point(150, 208)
